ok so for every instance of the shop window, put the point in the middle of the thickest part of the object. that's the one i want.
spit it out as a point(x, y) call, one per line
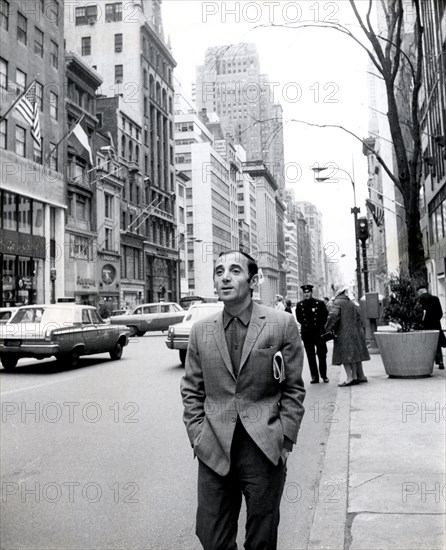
point(9, 217)
point(24, 215)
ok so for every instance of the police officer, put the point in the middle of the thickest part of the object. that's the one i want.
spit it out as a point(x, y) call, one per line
point(312, 315)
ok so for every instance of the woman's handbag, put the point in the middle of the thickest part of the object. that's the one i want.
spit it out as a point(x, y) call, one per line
point(327, 336)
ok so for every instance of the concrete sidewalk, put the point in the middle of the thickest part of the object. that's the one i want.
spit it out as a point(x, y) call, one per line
point(386, 461)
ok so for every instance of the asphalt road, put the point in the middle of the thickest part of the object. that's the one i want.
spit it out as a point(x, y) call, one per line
point(98, 458)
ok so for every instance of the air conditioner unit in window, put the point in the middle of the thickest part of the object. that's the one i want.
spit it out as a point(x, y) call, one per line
point(118, 49)
point(118, 81)
point(91, 21)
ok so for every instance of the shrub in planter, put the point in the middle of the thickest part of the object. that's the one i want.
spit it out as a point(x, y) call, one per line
point(403, 307)
point(410, 352)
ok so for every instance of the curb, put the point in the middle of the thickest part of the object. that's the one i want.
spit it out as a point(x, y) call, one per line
point(328, 528)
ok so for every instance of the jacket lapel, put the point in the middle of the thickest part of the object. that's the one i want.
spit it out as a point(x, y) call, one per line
point(220, 340)
point(256, 324)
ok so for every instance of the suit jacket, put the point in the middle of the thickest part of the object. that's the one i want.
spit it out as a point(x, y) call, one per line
point(214, 397)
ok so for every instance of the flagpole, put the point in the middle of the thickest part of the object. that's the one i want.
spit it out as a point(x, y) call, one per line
point(66, 136)
point(2, 117)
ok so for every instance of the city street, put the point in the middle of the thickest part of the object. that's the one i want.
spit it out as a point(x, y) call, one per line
point(98, 457)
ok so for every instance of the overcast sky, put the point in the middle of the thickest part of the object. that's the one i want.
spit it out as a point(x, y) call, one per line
point(321, 78)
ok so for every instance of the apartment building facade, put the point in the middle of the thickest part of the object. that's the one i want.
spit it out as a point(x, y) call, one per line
point(32, 190)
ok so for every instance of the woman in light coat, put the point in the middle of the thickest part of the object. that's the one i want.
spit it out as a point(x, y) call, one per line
point(350, 347)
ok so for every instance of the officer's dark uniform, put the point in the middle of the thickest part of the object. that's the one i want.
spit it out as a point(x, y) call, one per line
point(312, 315)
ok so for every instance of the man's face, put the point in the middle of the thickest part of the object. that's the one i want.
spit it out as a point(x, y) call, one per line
point(231, 278)
point(307, 294)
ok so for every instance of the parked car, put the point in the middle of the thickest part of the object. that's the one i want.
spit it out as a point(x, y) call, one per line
point(178, 335)
point(150, 317)
point(187, 301)
point(65, 330)
point(6, 313)
point(119, 312)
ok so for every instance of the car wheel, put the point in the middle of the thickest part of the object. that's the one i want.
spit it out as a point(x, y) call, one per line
point(9, 362)
point(73, 358)
point(133, 330)
point(140, 332)
point(183, 356)
point(116, 352)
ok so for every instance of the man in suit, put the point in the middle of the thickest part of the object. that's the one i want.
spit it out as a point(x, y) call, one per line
point(432, 315)
point(312, 315)
point(242, 421)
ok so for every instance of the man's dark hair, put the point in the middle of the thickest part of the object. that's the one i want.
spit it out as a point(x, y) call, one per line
point(252, 264)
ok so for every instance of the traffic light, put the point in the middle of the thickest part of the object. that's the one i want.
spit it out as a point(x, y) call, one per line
point(363, 229)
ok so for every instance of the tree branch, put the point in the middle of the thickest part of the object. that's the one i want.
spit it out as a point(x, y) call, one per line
point(334, 26)
point(378, 156)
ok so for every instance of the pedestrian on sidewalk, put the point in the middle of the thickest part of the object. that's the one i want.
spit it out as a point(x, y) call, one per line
point(312, 314)
point(432, 314)
point(288, 305)
point(280, 306)
point(241, 410)
point(350, 346)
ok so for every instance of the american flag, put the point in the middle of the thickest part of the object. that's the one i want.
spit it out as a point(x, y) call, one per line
point(377, 212)
point(28, 107)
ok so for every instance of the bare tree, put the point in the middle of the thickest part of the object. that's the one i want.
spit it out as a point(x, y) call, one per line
point(387, 54)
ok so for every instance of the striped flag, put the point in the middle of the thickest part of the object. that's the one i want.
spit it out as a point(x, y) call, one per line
point(377, 211)
point(28, 107)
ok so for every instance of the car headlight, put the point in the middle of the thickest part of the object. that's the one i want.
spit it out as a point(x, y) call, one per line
point(47, 333)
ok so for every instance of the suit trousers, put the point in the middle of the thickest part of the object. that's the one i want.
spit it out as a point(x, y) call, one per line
point(321, 348)
point(220, 498)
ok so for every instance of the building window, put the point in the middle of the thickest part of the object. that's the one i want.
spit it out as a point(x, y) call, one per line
point(24, 215)
point(38, 42)
point(39, 95)
point(9, 218)
point(20, 141)
point(3, 135)
point(37, 151)
point(113, 12)
point(20, 79)
point(119, 73)
point(54, 54)
point(81, 208)
point(118, 42)
point(4, 15)
point(108, 206)
point(54, 165)
point(108, 243)
point(54, 100)
point(86, 45)
point(22, 28)
point(3, 74)
point(86, 15)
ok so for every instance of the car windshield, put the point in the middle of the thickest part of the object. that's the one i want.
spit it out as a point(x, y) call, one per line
point(197, 313)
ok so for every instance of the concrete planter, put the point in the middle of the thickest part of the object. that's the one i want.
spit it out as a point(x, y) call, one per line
point(408, 354)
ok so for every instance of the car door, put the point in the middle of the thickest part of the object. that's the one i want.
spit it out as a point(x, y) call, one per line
point(151, 317)
point(89, 333)
point(105, 333)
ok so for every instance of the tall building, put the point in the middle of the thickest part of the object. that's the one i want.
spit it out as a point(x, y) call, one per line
point(314, 220)
point(230, 83)
point(433, 127)
point(32, 190)
point(124, 42)
point(212, 167)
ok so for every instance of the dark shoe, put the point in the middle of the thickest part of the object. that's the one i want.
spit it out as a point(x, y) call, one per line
point(346, 384)
point(362, 380)
point(326, 380)
point(441, 366)
point(314, 382)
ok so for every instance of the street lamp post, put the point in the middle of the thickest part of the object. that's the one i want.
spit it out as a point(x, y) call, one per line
point(355, 211)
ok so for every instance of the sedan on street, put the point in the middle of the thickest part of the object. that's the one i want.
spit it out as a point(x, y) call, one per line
point(178, 335)
point(63, 330)
point(150, 317)
point(6, 313)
